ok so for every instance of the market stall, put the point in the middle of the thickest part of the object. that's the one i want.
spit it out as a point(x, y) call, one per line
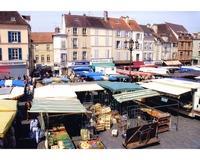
point(8, 109)
point(11, 92)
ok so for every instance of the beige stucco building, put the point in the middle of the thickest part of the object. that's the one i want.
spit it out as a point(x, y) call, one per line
point(42, 48)
point(14, 44)
point(196, 48)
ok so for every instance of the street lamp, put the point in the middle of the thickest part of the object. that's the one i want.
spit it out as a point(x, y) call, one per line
point(130, 45)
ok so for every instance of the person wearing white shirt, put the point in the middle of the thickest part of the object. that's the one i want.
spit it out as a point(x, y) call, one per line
point(35, 129)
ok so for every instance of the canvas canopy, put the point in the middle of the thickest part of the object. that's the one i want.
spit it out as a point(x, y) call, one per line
point(119, 86)
point(55, 91)
point(83, 87)
point(172, 63)
point(135, 95)
point(70, 106)
point(7, 114)
point(11, 92)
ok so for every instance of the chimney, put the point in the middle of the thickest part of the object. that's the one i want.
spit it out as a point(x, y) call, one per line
point(148, 25)
point(84, 14)
point(69, 13)
point(105, 15)
point(27, 18)
point(57, 30)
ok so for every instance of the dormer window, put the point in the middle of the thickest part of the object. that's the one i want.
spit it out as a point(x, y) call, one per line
point(12, 19)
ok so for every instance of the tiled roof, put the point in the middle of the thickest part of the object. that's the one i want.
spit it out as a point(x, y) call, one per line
point(95, 22)
point(118, 24)
point(164, 31)
point(148, 32)
point(85, 21)
point(42, 37)
point(134, 26)
point(6, 18)
point(177, 28)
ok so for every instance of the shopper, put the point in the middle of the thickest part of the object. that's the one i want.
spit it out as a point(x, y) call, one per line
point(34, 129)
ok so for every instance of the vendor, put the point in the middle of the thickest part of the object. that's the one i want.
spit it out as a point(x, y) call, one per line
point(92, 125)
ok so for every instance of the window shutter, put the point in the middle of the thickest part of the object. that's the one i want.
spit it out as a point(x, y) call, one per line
point(20, 54)
point(9, 37)
point(19, 36)
point(10, 53)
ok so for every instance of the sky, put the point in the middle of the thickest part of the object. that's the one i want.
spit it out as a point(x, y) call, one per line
point(46, 21)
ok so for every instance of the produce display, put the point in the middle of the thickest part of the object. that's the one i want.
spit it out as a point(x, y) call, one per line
point(91, 144)
point(58, 138)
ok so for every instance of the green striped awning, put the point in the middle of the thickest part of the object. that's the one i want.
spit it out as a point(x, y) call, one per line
point(71, 106)
point(135, 95)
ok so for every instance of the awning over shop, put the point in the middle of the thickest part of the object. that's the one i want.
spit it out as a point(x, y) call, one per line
point(119, 86)
point(133, 73)
point(69, 106)
point(135, 95)
point(172, 63)
point(11, 92)
point(83, 87)
point(8, 110)
point(8, 105)
point(55, 91)
point(171, 86)
point(103, 65)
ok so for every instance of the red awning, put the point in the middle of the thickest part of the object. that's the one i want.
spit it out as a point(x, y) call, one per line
point(133, 73)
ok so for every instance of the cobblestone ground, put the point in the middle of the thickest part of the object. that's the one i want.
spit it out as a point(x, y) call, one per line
point(187, 136)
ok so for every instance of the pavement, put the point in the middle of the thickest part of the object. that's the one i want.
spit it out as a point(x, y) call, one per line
point(186, 137)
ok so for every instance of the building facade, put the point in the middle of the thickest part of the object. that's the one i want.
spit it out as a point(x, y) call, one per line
point(42, 48)
point(196, 49)
point(100, 38)
point(14, 44)
point(148, 44)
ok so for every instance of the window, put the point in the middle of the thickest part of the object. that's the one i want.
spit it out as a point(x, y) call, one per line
point(63, 57)
point(189, 45)
point(145, 55)
point(96, 41)
point(14, 53)
point(63, 44)
point(199, 53)
point(123, 33)
point(96, 53)
point(174, 55)
point(118, 33)
point(84, 31)
point(137, 36)
point(74, 56)
point(84, 55)
point(181, 54)
point(42, 58)
point(0, 54)
point(14, 36)
point(148, 57)
point(181, 44)
point(174, 45)
point(48, 47)
point(126, 34)
point(107, 53)
point(117, 44)
point(48, 58)
point(36, 58)
point(137, 57)
point(107, 41)
point(75, 31)
point(75, 43)
point(150, 46)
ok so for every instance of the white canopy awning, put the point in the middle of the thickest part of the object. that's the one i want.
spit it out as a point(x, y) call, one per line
point(12, 93)
point(83, 87)
point(54, 91)
point(69, 106)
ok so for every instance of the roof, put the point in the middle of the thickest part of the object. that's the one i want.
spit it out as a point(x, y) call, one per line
point(11, 92)
point(172, 63)
point(70, 106)
point(163, 31)
point(134, 26)
point(86, 86)
point(42, 37)
point(119, 86)
point(85, 21)
point(8, 110)
point(5, 18)
point(135, 95)
point(148, 32)
point(177, 28)
point(54, 91)
point(171, 86)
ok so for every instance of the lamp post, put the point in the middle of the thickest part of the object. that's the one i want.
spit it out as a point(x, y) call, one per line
point(130, 45)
